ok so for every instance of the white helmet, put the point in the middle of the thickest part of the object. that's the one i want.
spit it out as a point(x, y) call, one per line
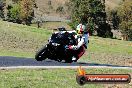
point(80, 29)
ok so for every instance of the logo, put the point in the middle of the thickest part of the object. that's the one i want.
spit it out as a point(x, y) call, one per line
point(83, 78)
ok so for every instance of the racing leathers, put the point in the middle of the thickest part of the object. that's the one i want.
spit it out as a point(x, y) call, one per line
point(79, 48)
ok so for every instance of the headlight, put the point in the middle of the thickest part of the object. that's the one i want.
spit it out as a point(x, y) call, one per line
point(55, 44)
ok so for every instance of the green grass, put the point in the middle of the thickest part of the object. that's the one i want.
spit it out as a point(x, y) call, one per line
point(57, 78)
point(21, 39)
point(108, 51)
point(16, 53)
point(107, 45)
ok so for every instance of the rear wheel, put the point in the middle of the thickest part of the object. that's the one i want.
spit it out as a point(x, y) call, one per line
point(41, 54)
point(59, 60)
point(68, 60)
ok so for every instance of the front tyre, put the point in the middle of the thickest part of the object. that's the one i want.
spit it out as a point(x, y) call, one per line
point(41, 54)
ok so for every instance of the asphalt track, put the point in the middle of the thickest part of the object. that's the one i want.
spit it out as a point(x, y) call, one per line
point(17, 62)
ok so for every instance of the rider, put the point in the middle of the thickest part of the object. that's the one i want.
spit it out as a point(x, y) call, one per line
point(82, 30)
point(82, 38)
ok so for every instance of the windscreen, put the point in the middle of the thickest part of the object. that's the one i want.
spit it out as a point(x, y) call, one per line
point(63, 38)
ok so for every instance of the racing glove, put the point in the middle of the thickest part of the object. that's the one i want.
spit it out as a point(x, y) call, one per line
point(74, 47)
point(71, 47)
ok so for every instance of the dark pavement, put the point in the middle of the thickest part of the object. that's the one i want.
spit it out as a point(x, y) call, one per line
point(7, 61)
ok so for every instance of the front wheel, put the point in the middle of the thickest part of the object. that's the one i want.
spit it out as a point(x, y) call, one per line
point(41, 54)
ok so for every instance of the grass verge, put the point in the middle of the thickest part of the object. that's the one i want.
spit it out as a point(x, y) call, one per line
point(21, 40)
point(57, 78)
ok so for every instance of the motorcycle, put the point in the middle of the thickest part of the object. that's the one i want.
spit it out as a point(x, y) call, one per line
point(57, 49)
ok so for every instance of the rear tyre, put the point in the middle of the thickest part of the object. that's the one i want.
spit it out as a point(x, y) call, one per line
point(68, 60)
point(59, 60)
point(75, 61)
point(41, 54)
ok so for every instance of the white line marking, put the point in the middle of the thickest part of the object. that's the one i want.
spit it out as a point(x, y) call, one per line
point(56, 67)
